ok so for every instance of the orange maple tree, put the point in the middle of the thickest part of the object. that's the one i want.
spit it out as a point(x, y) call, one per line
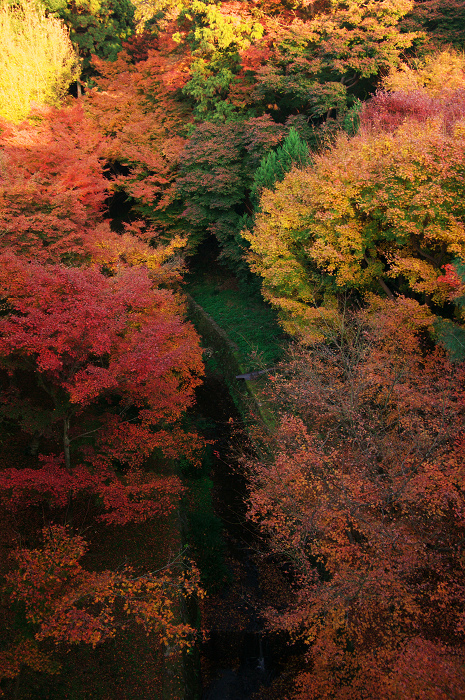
point(52, 185)
point(361, 501)
point(69, 604)
point(134, 106)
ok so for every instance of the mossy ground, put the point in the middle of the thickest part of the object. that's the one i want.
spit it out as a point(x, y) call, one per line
point(240, 310)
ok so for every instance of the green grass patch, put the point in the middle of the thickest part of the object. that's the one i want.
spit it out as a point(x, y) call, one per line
point(242, 313)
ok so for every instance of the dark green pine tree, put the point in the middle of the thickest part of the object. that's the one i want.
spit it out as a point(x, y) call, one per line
point(275, 164)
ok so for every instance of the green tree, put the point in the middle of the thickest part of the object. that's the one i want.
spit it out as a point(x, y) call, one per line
point(451, 334)
point(215, 177)
point(37, 60)
point(275, 164)
point(442, 20)
point(96, 26)
point(317, 66)
point(216, 38)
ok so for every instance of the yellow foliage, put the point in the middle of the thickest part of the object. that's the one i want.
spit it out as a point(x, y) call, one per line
point(435, 73)
point(370, 210)
point(114, 250)
point(37, 59)
point(147, 9)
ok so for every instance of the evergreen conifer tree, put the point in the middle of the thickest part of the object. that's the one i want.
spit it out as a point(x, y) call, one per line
point(275, 164)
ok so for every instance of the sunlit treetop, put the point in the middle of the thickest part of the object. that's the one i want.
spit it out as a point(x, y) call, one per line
point(248, 58)
point(52, 184)
point(53, 194)
point(382, 211)
point(37, 59)
point(360, 37)
point(315, 64)
point(432, 73)
point(215, 35)
point(220, 27)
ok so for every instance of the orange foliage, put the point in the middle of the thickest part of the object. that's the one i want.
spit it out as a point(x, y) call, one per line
point(68, 604)
point(363, 500)
point(53, 194)
point(134, 107)
point(52, 187)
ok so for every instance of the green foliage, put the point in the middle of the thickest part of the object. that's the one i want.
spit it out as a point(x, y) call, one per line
point(208, 88)
point(452, 336)
point(96, 26)
point(450, 333)
point(215, 178)
point(351, 120)
point(275, 164)
point(216, 40)
point(442, 20)
point(37, 60)
point(240, 311)
point(296, 89)
point(317, 66)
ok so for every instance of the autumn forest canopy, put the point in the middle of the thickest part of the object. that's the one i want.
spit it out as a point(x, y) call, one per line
point(313, 154)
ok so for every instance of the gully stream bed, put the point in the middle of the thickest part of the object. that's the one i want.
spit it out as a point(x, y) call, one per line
point(235, 660)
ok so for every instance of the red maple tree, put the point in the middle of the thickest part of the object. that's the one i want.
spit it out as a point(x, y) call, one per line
point(109, 363)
